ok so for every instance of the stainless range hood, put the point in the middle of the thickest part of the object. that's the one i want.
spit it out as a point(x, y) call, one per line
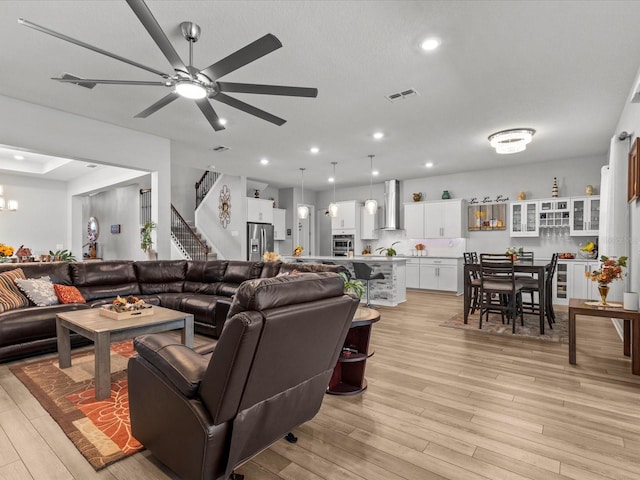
point(391, 205)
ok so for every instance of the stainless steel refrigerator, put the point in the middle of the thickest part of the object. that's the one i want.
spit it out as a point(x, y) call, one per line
point(259, 240)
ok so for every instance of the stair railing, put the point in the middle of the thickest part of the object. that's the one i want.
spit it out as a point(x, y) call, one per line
point(204, 185)
point(191, 243)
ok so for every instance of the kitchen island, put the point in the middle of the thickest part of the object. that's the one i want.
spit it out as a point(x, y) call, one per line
point(389, 291)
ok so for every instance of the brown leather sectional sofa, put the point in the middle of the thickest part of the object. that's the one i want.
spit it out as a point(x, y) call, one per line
point(203, 288)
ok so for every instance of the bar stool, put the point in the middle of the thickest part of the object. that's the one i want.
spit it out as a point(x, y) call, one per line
point(363, 272)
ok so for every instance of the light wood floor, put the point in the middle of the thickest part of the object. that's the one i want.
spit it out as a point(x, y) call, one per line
point(441, 403)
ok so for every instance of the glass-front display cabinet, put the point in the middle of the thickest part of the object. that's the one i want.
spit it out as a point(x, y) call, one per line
point(585, 216)
point(487, 216)
point(524, 219)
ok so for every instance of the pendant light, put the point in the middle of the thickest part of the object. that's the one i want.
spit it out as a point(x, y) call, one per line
point(371, 205)
point(333, 206)
point(303, 210)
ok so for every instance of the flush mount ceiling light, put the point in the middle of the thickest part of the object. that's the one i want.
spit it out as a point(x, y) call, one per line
point(371, 205)
point(264, 161)
point(314, 150)
point(303, 210)
point(333, 206)
point(378, 135)
point(430, 44)
point(511, 141)
point(428, 164)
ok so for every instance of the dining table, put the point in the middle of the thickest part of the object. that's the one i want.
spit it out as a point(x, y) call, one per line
point(536, 267)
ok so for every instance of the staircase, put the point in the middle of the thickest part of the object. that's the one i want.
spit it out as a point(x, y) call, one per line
point(188, 240)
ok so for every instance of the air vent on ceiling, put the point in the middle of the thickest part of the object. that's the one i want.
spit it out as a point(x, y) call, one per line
point(92, 165)
point(89, 85)
point(394, 97)
point(220, 148)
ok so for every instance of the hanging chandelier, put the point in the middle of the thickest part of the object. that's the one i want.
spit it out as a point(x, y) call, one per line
point(371, 205)
point(303, 210)
point(333, 206)
point(511, 141)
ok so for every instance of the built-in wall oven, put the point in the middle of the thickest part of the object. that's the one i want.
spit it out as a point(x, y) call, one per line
point(342, 245)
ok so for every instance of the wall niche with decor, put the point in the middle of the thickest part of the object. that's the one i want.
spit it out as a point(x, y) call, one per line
point(633, 188)
point(487, 216)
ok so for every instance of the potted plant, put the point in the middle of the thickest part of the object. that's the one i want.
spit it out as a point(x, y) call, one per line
point(388, 251)
point(62, 256)
point(352, 287)
point(146, 242)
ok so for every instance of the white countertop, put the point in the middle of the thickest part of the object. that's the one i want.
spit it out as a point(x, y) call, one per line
point(357, 258)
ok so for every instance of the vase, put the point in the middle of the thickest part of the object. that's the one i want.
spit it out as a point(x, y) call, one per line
point(445, 195)
point(5, 259)
point(603, 288)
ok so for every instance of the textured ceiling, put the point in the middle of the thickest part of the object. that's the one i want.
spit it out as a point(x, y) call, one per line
point(562, 68)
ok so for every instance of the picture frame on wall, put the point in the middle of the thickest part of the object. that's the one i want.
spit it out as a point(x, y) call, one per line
point(633, 178)
point(115, 229)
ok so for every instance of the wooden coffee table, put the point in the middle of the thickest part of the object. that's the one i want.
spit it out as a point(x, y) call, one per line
point(105, 331)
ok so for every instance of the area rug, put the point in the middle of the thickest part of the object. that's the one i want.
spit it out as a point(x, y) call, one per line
point(531, 329)
point(100, 430)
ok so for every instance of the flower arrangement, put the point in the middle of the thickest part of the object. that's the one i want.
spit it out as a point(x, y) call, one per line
point(420, 246)
point(271, 257)
point(5, 250)
point(610, 270)
point(297, 251)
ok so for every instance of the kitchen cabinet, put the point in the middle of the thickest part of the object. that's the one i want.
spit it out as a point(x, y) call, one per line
point(524, 219)
point(413, 273)
point(554, 215)
point(585, 216)
point(279, 224)
point(441, 219)
point(570, 281)
point(348, 218)
point(259, 210)
point(433, 273)
point(369, 224)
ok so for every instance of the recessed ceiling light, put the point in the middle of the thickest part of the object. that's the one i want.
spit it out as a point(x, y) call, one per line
point(314, 150)
point(378, 135)
point(430, 44)
point(222, 121)
point(428, 164)
point(264, 161)
point(18, 157)
point(332, 179)
point(375, 173)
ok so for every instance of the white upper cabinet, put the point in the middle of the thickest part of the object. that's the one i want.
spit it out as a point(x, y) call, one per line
point(369, 230)
point(524, 219)
point(259, 210)
point(348, 217)
point(279, 224)
point(585, 216)
point(441, 219)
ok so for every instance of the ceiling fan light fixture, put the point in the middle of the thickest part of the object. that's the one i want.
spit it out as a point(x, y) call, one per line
point(511, 141)
point(190, 89)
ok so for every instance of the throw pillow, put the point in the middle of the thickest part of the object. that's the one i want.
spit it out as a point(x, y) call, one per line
point(39, 290)
point(68, 294)
point(10, 295)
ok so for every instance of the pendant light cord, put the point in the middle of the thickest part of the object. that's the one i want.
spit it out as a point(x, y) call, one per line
point(302, 175)
point(371, 177)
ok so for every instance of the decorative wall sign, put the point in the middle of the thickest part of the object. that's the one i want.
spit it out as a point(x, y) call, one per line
point(115, 228)
point(224, 206)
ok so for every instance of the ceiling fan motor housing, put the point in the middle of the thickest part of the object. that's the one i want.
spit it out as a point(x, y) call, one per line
point(190, 31)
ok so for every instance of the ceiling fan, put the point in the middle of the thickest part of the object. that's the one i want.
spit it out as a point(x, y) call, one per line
point(187, 81)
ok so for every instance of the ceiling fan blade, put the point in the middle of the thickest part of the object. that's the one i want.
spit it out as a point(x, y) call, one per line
point(109, 82)
point(267, 89)
point(151, 24)
point(240, 58)
point(210, 113)
point(166, 100)
point(245, 107)
point(80, 43)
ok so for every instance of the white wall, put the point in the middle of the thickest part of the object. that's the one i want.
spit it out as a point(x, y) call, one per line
point(63, 134)
point(535, 180)
point(183, 191)
point(41, 221)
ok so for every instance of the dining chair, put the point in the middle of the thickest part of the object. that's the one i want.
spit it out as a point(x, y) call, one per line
point(471, 258)
point(500, 291)
point(530, 285)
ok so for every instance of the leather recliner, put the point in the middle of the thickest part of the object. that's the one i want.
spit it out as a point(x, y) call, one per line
point(204, 415)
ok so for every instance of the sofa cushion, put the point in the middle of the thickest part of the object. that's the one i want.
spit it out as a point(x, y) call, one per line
point(39, 290)
point(96, 292)
point(201, 306)
point(10, 295)
point(239, 271)
point(206, 271)
point(68, 294)
point(163, 276)
point(58, 272)
point(270, 269)
point(85, 274)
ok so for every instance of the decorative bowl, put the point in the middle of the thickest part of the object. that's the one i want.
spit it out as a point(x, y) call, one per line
point(589, 255)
